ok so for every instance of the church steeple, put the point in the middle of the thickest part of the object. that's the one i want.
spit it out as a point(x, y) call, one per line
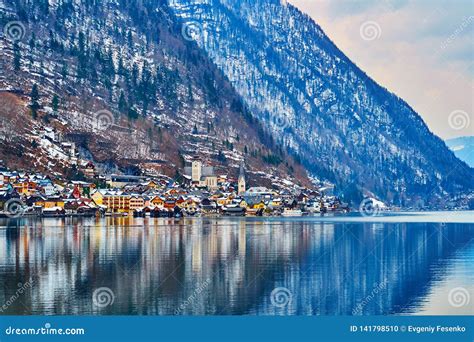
point(242, 185)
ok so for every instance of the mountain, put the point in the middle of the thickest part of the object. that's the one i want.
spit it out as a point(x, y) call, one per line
point(322, 108)
point(143, 86)
point(119, 81)
point(463, 148)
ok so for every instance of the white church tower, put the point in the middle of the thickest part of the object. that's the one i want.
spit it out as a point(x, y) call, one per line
point(196, 172)
point(242, 185)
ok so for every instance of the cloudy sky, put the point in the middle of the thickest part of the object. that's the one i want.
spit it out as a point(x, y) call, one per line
point(422, 50)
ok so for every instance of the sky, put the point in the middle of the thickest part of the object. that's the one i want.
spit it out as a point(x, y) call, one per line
point(422, 50)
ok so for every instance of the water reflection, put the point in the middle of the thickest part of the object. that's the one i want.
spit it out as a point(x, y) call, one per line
point(231, 266)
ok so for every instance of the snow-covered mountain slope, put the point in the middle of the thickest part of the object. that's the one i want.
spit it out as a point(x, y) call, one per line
point(121, 81)
point(321, 107)
point(463, 148)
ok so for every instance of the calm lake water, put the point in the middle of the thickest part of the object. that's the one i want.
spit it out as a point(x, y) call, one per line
point(417, 263)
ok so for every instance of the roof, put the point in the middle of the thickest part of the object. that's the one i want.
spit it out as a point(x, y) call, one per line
point(206, 171)
point(257, 190)
point(53, 209)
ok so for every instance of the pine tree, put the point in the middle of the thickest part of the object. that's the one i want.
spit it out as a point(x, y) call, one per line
point(82, 57)
point(16, 56)
point(34, 104)
point(146, 87)
point(221, 157)
point(132, 114)
point(55, 104)
point(134, 75)
point(32, 42)
point(64, 71)
point(41, 68)
point(122, 103)
point(121, 67)
point(130, 40)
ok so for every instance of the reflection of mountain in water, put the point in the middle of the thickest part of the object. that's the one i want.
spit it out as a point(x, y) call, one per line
point(214, 266)
point(391, 266)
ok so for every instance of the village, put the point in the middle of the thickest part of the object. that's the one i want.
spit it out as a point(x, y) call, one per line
point(201, 193)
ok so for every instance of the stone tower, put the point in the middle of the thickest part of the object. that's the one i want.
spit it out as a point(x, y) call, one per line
point(196, 167)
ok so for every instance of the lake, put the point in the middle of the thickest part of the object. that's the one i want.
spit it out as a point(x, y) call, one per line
point(404, 263)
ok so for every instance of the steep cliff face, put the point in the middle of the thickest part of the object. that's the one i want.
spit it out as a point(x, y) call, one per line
point(319, 105)
point(122, 81)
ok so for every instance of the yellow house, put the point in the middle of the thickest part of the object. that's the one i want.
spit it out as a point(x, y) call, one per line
point(25, 188)
point(191, 204)
point(117, 203)
point(259, 205)
point(220, 200)
point(50, 203)
point(136, 202)
point(98, 197)
point(21, 188)
point(152, 185)
point(223, 201)
point(181, 202)
point(276, 202)
point(157, 201)
point(172, 192)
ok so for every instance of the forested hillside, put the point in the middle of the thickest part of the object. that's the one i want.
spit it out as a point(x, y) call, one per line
point(120, 80)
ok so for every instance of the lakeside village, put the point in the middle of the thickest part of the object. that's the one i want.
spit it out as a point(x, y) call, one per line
point(202, 193)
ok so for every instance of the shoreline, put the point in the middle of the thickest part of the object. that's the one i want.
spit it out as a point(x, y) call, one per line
point(441, 217)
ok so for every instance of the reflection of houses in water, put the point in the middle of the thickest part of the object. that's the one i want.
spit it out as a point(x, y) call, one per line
point(154, 265)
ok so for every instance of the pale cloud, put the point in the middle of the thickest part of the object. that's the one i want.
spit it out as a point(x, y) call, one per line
point(424, 51)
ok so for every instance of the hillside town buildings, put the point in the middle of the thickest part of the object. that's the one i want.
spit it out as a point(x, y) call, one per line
point(200, 193)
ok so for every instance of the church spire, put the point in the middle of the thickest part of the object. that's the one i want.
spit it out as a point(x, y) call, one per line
point(242, 183)
point(242, 170)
